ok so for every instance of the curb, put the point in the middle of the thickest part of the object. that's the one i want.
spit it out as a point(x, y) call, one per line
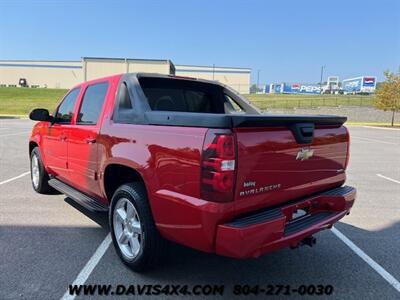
point(13, 117)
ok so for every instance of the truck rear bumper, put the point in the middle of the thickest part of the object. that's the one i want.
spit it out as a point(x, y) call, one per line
point(270, 229)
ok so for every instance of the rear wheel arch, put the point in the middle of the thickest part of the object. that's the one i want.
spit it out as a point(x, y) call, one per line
point(116, 175)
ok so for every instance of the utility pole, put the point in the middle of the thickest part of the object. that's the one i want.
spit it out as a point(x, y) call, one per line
point(394, 111)
point(213, 70)
point(258, 80)
point(322, 74)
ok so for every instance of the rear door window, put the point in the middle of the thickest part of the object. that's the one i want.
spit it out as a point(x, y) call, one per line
point(92, 103)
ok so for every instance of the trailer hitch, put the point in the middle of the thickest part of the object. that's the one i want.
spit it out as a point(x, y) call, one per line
point(309, 241)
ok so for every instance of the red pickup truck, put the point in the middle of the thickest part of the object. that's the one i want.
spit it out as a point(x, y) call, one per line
point(191, 161)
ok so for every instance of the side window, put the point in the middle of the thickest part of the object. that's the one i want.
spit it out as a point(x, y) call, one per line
point(124, 100)
point(92, 103)
point(66, 108)
point(123, 111)
point(231, 106)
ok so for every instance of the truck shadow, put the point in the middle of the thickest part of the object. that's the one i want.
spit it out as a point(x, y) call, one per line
point(320, 264)
point(56, 254)
point(99, 218)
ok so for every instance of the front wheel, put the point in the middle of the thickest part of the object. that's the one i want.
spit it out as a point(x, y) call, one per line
point(39, 176)
point(134, 234)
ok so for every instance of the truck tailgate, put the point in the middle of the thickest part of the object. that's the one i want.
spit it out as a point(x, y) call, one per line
point(274, 168)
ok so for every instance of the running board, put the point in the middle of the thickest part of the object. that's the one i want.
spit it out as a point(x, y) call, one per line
point(86, 201)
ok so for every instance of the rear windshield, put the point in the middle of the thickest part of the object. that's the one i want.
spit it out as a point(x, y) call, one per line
point(165, 94)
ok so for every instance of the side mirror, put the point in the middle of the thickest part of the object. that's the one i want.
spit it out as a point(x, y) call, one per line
point(40, 114)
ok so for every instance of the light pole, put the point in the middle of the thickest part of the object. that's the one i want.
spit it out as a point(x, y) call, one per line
point(213, 70)
point(258, 79)
point(322, 74)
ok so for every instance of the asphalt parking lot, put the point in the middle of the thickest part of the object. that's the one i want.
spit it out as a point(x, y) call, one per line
point(46, 240)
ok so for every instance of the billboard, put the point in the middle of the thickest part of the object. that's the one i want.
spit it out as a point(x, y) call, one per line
point(369, 81)
point(298, 88)
point(277, 88)
point(363, 84)
point(352, 85)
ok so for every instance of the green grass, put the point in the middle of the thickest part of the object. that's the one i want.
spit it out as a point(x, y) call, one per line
point(377, 124)
point(282, 101)
point(20, 101)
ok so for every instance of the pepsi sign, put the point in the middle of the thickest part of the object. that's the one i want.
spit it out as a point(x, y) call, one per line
point(369, 81)
point(297, 88)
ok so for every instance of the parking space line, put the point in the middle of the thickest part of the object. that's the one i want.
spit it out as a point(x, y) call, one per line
point(388, 178)
point(373, 264)
point(90, 265)
point(10, 134)
point(384, 128)
point(373, 140)
point(14, 178)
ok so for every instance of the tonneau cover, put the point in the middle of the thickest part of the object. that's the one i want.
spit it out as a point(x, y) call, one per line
point(236, 120)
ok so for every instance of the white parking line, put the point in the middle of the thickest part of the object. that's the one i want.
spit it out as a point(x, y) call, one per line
point(90, 265)
point(14, 178)
point(373, 264)
point(373, 140)
point(384, 128)
point(388, 178)
point(10, 134)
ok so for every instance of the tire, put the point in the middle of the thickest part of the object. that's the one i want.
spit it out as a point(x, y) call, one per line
point(138, 229)
point(39, 176)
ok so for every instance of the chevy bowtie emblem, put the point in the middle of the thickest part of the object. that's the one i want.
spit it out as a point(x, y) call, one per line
point(304, 154)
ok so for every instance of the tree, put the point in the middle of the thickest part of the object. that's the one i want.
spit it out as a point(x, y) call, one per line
point(255, 89)
point(388, 93)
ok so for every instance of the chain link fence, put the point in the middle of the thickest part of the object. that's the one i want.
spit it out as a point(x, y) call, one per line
point(267, 101)
point(292, 101)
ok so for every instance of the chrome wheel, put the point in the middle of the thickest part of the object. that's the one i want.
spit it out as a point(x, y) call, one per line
point(127, 228)
point(35, 171)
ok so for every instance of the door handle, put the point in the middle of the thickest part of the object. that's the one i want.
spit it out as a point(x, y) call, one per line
point(63, 138)
point(90, 140)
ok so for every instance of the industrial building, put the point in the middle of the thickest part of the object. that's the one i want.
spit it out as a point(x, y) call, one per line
point(65, 74)
point(237, 78)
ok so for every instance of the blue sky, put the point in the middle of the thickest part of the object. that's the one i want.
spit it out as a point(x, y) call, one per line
point(286, 40)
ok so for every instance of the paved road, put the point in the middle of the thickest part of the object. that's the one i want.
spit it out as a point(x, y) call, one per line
point(45, 241)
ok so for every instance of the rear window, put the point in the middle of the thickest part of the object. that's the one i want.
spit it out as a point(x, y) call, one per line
point(166, 94)
point(92, 103)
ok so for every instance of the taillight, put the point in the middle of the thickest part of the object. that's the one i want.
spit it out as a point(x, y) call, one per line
point(218, 166)
point(347, 149)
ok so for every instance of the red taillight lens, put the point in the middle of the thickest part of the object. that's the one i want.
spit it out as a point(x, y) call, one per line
point(218, 166)
point(225, 146)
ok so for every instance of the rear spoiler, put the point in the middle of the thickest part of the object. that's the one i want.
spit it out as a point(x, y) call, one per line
point(185, 119)
point(285, 120)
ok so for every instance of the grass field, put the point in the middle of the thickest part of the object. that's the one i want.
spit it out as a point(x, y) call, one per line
point(265, 101)
point(20, 101)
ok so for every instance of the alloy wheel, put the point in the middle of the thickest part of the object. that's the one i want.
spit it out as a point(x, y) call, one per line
point(127, 228)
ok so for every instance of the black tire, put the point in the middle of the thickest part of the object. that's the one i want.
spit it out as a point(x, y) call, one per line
point(153, 247)
point(42, 186)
